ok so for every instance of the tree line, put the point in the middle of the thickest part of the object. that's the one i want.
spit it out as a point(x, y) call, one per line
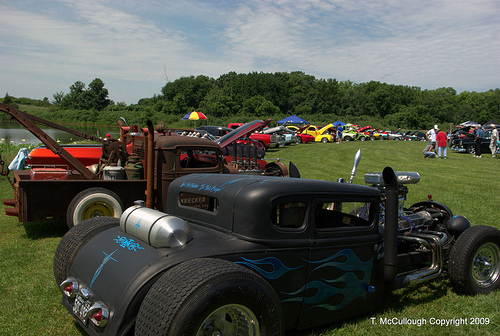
point(269, 94)
point(259, 95)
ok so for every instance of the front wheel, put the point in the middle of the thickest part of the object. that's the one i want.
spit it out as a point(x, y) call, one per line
point(471, 149)
point(474, 265)
point(93, 202)
point(324, 140)
point(210, 297)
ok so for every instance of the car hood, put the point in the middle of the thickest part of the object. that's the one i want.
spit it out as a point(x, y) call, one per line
point(242, 131)
point(322, 130)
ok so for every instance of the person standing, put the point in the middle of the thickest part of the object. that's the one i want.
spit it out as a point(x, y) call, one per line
point(431, 134)
point(442, 140)
point(494, 141)
point(339, 133)
point(479, 135)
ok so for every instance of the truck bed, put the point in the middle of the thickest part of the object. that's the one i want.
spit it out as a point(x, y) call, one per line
point(49, 199)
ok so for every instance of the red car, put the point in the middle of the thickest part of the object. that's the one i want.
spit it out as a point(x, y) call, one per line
point(268, 140)
point(305, 138)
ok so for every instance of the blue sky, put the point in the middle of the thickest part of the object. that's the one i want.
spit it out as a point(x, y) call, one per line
point(136, 46)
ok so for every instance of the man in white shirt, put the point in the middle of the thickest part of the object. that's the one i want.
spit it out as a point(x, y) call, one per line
point(494, 140)
point(431, 134)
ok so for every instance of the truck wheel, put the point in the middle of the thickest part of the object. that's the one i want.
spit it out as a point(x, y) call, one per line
point(210, 297)
point(474, 265)
point(93, 202)
point(74, 239)
point(471, 149)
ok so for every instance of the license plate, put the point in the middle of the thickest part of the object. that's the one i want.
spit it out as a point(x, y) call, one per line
point(80, 308)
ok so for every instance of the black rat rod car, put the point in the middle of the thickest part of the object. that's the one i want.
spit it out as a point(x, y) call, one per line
point(252, 255)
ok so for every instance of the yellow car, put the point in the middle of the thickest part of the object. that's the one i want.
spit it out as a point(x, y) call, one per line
point(322, 134)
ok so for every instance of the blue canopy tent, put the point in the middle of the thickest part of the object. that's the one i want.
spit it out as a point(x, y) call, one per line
point(339, 123)
point(293, 119)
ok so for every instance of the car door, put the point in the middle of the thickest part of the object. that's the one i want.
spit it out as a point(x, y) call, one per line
point(343, 259)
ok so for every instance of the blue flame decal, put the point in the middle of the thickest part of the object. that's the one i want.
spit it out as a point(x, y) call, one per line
point(351, 263)
point(278, 269)
point(349, 285)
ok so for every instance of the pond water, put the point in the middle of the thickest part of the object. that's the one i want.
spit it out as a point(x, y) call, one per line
point(12, 132)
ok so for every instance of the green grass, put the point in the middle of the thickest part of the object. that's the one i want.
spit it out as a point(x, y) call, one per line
point(30, 300)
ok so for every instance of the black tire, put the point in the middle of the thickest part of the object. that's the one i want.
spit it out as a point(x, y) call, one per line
point(347, 138)
point(362, 138)
point(471, 149)
point(474, 265)
point(93, 202)
point(190, 299)
point(324, 140)
point(74, 239)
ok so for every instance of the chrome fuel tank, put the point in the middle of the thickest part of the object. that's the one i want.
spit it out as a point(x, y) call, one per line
point(156, 228)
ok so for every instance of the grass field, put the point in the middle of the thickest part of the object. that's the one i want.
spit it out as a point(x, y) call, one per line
point(30, 300)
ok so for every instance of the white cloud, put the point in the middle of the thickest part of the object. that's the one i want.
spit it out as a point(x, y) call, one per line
point(47, 46)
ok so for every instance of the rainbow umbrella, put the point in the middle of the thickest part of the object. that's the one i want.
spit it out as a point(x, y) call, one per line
point(194, 116)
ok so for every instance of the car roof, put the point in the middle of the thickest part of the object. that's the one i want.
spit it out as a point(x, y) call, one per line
point(244, 201)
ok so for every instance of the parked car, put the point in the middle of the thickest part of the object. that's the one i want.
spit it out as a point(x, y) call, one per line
point(216, 131)
point(380, 135)
point(305, 138)
point(251, 255)
point(302, 137)
point(321, 134)
point(367, 131)
point(354, 135)
point(268, 140)
point(467, 144)
point(459, 133)
point(414, 136)
point(284, 137)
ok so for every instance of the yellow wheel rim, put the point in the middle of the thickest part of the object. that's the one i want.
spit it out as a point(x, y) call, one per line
point(98, 209)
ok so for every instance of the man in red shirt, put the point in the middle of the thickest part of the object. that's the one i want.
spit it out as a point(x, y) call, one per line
point(442, 140)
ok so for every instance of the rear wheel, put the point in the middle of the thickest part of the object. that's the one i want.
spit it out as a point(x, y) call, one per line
point(93, 202)
point(74, 239)
point(474, 265)
point(210, 297)
point(347, 138)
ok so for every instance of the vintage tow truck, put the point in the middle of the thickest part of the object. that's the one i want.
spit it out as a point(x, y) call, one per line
point(80, 192)
point(256, 255)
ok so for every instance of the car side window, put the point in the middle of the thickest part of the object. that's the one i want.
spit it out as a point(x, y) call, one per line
point(289, 215)
point(337, 214)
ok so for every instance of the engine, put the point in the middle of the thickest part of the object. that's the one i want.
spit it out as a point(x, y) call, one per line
point(421, 216)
